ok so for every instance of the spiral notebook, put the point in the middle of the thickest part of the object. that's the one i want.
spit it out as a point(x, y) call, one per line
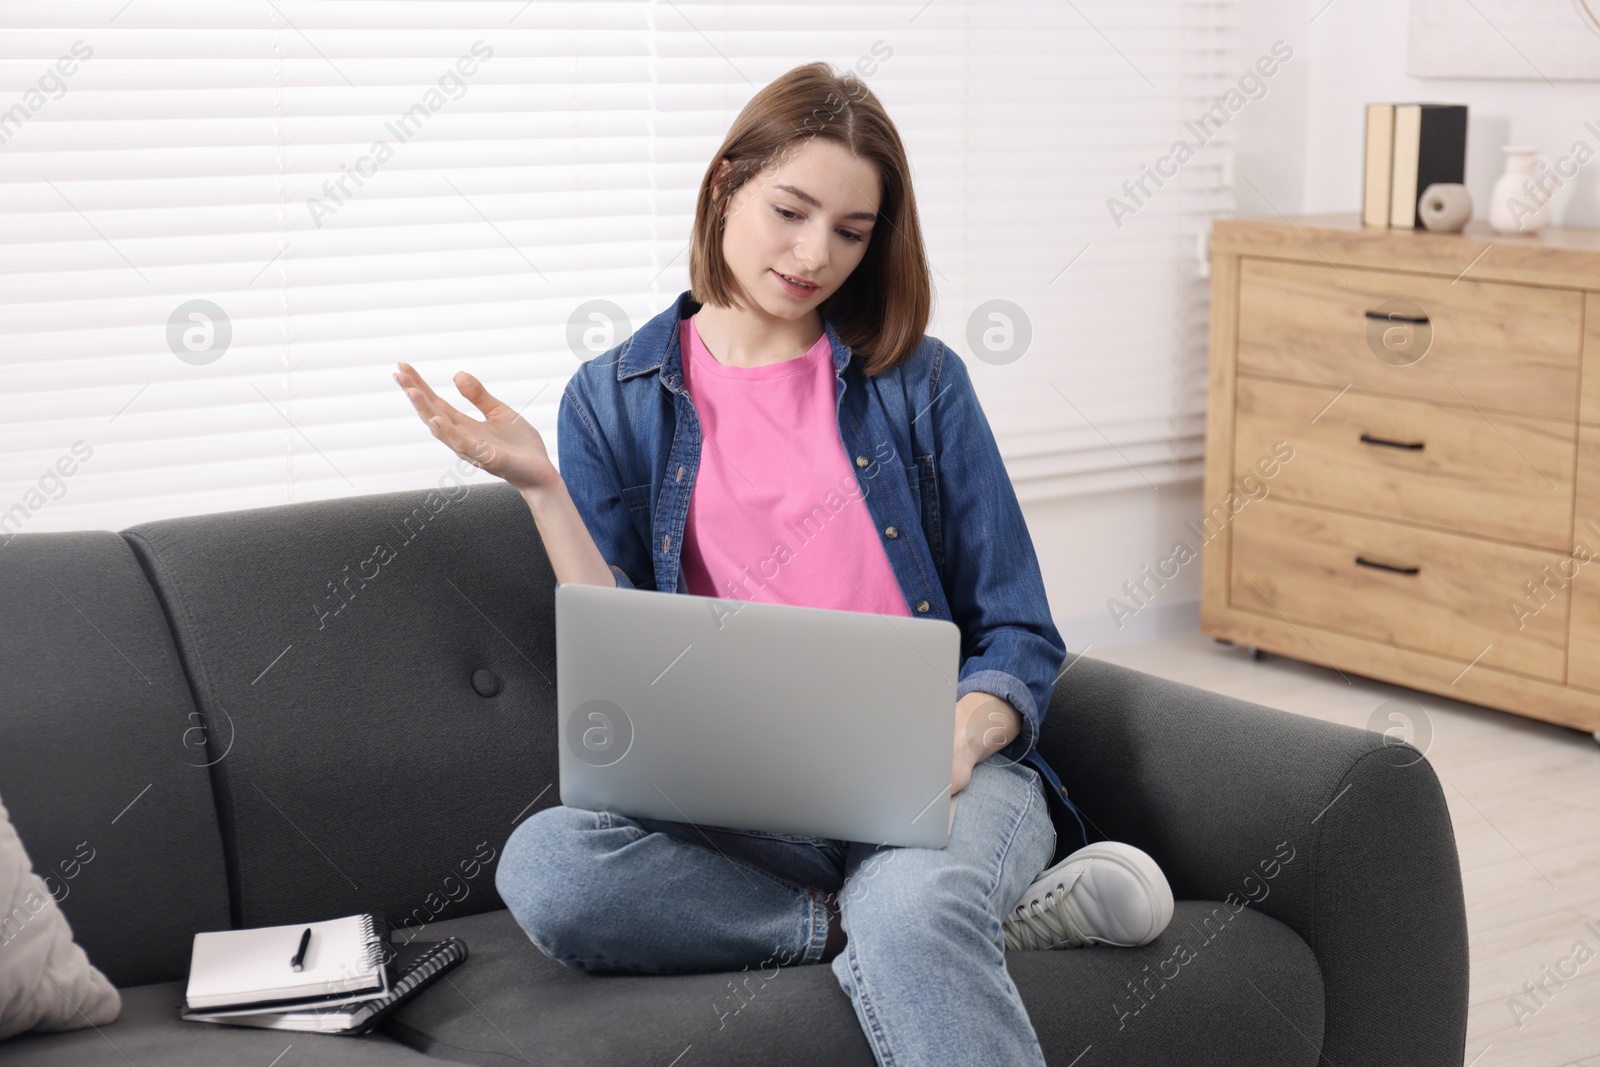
point(417, 965)
point(242, 971)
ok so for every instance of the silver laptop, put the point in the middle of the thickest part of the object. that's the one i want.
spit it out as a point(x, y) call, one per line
point(773, 717)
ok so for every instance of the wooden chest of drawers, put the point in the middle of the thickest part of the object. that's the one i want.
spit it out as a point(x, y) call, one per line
point(1403, 457)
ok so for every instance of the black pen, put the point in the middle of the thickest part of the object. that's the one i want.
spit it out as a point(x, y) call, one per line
point(300, 956)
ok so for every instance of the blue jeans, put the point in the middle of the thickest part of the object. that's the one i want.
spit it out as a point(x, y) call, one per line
point(924, 964)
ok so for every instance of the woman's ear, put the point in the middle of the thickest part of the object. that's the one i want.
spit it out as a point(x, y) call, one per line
point(717, 178)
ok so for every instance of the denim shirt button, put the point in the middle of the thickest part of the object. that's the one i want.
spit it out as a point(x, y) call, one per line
point(922, 605)
point(861, 461)
point(891, 532)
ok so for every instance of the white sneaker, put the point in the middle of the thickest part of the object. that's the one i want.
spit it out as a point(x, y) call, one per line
point(1107, 893)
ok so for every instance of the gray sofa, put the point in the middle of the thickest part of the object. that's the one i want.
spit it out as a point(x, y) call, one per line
point(299, 712)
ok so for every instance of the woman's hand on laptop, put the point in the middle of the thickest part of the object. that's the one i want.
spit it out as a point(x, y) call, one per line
point(985, 724)
point(505, 444)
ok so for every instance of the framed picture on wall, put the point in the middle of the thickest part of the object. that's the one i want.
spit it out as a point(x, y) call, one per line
point(1542, 40)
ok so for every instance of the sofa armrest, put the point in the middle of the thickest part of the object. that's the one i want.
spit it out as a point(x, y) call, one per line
point(1219, 791)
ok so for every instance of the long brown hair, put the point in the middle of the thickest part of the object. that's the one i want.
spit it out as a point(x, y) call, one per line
point(882, 310)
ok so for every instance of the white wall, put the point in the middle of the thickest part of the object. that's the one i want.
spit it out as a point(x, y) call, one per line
point(1298, 149)
point(1090, 545)
point(1358, 56)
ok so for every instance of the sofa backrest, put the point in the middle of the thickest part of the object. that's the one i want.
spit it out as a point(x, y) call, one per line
point(377, 679)
point(102, 756)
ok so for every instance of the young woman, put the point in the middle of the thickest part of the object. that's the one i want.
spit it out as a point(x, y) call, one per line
point(786, 432)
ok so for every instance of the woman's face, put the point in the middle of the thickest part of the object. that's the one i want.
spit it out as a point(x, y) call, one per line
point(809, 217)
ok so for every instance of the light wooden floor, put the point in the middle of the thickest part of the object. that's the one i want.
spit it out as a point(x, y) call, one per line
point(1525, 800)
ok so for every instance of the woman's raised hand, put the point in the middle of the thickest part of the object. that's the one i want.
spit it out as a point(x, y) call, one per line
point(505, 444)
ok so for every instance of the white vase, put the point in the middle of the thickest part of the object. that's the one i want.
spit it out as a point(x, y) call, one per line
point(1519, 203)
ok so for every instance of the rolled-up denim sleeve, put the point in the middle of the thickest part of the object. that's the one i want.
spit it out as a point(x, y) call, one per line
point(590, 473)
point(1010, 646)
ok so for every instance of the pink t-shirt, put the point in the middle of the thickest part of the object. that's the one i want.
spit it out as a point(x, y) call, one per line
point(776, 515)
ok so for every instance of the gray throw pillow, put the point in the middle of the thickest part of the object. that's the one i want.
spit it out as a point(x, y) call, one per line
point(46, 979)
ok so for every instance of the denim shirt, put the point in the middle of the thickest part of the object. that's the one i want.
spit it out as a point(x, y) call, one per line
point(930, 473)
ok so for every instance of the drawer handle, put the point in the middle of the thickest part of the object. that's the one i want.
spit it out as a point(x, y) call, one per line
point(1363, 561)
point(1395, 316)
point(1368, 439)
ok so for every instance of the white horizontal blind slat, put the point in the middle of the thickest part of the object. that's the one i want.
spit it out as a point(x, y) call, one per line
point(198, 151)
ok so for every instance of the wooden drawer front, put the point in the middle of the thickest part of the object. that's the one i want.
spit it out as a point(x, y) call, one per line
point(1589, 408)
point(1502, 347)
point(1301, 562)
point(1496, 475)
point(1583, 661)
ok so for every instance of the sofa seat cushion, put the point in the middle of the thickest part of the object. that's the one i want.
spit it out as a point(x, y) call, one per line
point(148, 1033)
point(1250, 992)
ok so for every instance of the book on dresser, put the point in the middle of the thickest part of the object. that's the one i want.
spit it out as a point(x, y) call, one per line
point(1430, 145)
point(1408, 147)
point(1423, 412)
point(1378, 165)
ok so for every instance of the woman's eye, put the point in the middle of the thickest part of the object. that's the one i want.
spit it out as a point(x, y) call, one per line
point(789, 216)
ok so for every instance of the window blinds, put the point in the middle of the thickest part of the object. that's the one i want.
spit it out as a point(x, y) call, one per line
point(222, 223)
